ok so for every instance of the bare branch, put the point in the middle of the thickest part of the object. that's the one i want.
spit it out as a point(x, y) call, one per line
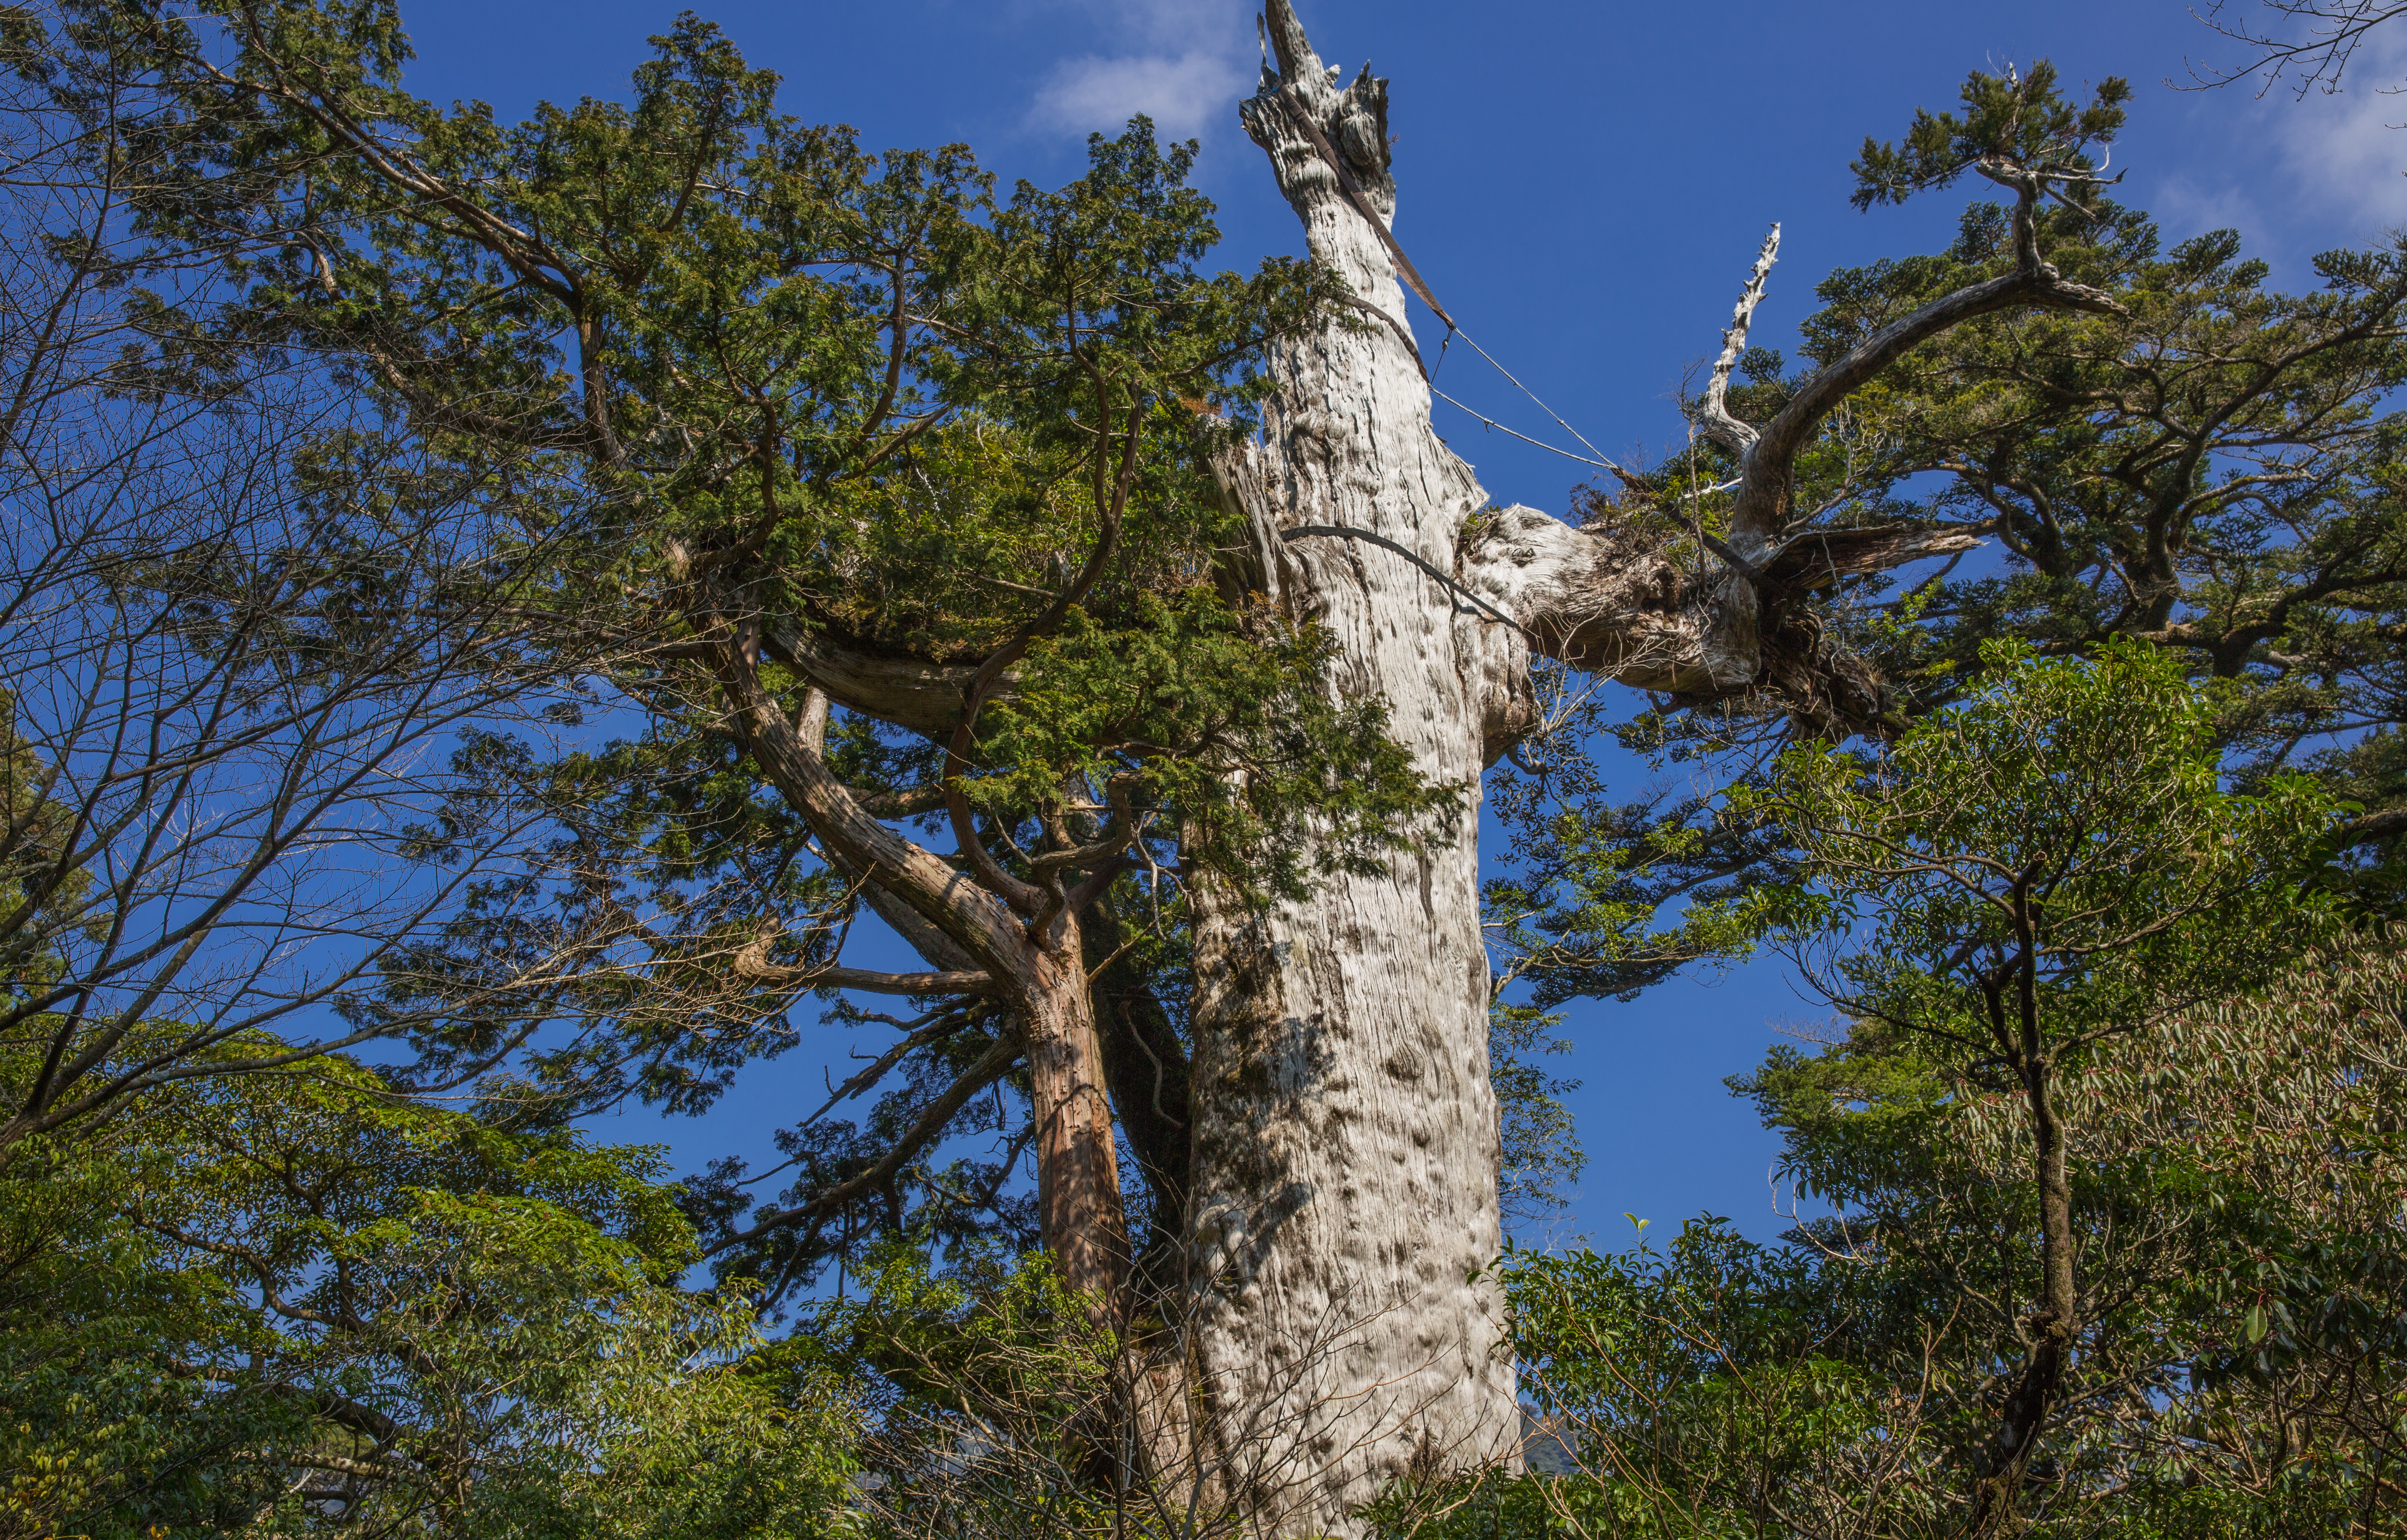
point(2335, 29)
point(1713, 413)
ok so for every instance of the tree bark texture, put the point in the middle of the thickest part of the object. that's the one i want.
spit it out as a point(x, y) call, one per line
point(1077, 1163)
point(1342, 1204)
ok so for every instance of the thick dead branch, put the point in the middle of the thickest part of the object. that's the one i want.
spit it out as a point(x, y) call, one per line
point(1713, 413)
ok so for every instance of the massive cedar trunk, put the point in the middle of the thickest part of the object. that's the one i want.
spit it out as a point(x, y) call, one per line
point(1342, 1200)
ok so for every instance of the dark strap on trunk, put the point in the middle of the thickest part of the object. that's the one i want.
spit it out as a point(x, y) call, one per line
point(1353, 192)
point(1393, 325)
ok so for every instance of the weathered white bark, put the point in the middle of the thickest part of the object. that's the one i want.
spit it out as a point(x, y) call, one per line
point(1343, 1202)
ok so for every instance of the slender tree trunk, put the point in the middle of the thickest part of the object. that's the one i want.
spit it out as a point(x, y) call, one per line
point(1077, 1164)
point(2050, 1330)
point(949, 917)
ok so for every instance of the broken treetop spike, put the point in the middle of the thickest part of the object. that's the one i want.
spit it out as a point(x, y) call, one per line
point(1296, 58)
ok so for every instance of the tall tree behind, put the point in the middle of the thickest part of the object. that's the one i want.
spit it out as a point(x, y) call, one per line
point(901, 476)
point(2107, 1151)
point(2046, 870)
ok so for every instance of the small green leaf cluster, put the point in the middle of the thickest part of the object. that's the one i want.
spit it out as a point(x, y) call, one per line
point(2018, 117)
point(1214, 722)
point(1707, 1388)
point(2068, 814)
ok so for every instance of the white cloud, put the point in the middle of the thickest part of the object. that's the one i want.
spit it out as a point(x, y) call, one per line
point(2329, 164)
point(2183, 208)
point(2346, 150)
point(1185, 64)
point(2293, 174)
point(1181, 93)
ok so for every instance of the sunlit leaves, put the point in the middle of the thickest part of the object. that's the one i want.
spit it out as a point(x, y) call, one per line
point(2014, 117)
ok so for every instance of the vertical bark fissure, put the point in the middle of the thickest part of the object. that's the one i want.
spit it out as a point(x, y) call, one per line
point(1146, 1067)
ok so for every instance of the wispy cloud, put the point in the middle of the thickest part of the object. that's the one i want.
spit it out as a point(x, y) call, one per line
point(2183, 208)
point(1184, 67)
point(2347, 151)
point(1180, 93)
point(2293, 174)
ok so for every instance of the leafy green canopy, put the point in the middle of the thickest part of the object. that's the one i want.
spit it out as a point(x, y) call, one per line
point(2056, 854)
point(2213, 473)
point(765, 405)
point(761, 372)
point(296, 1304)
point(2046, 896)
point(2013, 116)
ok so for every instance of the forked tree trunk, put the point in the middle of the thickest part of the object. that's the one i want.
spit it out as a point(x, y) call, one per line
point(955, 924)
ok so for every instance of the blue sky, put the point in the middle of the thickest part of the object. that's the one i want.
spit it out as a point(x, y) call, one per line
point(1584, 186)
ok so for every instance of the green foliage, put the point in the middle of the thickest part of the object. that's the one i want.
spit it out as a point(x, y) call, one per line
point(1595, 896)
point(2213, 475)
point(2062, 832)
point(1008, 1395)
point(858, 392)
point(97, 1437)
point(292, 1303)
point(1713, 1388)
point(2046, 896)
point(2013, 119)
point(1542, 1159)
point(1216, 721)
point(727, 379)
